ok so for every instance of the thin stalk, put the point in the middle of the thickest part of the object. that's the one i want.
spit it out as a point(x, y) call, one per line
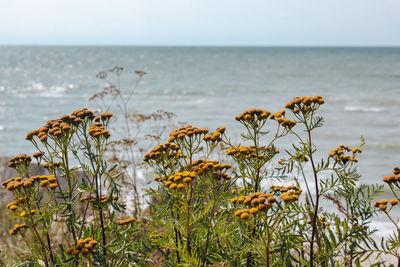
point(317, 197)
point(209, 229)
point(188, 200)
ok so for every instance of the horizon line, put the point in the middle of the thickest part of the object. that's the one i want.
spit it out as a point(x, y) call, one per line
point(201, 46)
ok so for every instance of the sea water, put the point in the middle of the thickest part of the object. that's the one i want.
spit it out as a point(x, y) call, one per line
point(209, 86)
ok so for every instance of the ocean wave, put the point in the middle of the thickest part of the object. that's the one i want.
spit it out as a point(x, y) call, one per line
point(341, 99)
point(384, 146)
point(1, 127)
point(44, 91)
point(187, 92)
point(363, 109)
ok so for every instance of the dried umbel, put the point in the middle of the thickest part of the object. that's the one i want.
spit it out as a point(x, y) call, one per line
point(83, 247)
point(339, 154)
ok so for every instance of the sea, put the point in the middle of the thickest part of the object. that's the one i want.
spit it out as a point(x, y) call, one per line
point(208, 86)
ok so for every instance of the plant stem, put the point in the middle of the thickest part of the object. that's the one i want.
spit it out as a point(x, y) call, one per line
point(317, 197)
point(188, 220)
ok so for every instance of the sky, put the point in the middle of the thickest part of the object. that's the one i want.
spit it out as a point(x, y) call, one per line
point(201, 22)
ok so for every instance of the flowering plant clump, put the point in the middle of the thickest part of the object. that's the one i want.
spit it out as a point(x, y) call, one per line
point(210, 216)
point(391, 244)
point(216, 202)
point(79, 201)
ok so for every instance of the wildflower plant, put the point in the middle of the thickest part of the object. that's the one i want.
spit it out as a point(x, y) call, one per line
point(191, 188)
point(389, 245)
point(79, 193)
point(247, 219)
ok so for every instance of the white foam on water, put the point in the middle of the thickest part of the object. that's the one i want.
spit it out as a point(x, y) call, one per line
point(2, 127)
point(54, 92)
point(43, 91)
point(362, 109)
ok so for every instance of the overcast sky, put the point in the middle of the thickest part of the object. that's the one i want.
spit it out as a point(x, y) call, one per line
point(201, 22)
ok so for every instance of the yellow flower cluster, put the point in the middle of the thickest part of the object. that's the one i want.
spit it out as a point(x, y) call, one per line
point(201, 167)
point(252, 115)
point(323, 222)
point(394, 178)
point(259, 201)
point(249, 152)
point(304, 103)
point(381, 204)
point(103, 199)
point(80, 114)
point(17, 228)
point(84, 247)
point(126, 221)
point(216, 135)
point(58, 127)
point(97, 130)
point(24, 213)
point(52, 165)
point(22, 159)
point(280, 118)
point(168, 150)
point(186, 131)
point(277, 188)
point(105, 116)
point(289, 194)
point(176, 180)
point(339, 154)
point(38, 154)
point(289, 197)
point(13, 206)
point(18, 182)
